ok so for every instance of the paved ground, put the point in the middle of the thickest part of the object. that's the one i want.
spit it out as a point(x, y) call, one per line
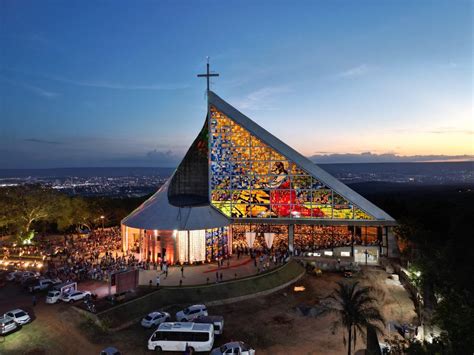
point(206, 273)
point(271, 324)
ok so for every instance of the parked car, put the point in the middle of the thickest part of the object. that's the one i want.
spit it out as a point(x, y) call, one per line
point(26, 275)
point(19, 316)
point(53, 296)
point(7, 325)
point(155, 318)
point(42, 284)
point(191, 312)
point(217, 321)
point(75, 296)
point(12, 276)
point(110, 351)
point(234, 347)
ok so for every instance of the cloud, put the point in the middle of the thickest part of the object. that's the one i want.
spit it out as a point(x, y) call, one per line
point(35, 89)
point(354, 72)
point(41, 141)
point(437, 130)
point(368, 157)
point(261, 99)
point(452, 131)
point(118, 86)
point(163, 157)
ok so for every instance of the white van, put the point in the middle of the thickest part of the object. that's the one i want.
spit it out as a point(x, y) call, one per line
point(176, 336)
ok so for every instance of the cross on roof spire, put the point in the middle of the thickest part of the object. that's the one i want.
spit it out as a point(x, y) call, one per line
point(208, 74)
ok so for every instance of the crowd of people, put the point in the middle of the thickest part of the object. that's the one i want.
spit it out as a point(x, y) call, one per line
point(92, 255)
point(316, 242)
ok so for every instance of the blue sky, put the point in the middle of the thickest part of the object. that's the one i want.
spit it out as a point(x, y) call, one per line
point(113, 83)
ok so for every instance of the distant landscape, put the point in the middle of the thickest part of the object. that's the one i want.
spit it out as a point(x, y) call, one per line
point(139, 181)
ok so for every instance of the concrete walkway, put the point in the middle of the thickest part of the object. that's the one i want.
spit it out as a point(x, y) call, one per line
point(206, 273)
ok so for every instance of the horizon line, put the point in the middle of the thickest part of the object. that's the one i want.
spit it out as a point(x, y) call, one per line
point(174, 167)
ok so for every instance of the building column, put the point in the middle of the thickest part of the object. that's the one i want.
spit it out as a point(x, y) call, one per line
point(229, 239)
point(291, 239)
point(189, 247)
point(392, 246)
point(143, 244)
point(352, 244)
point(127, 242)
point(155, 235)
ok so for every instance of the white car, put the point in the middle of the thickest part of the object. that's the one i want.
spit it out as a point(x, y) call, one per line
point(191, 312)
point(13, 275)
point(28, 275)
point(74, 296)
point(235, 347)
point(19, 316)
point(155, 318)
point(7, 325)
point(53, 297)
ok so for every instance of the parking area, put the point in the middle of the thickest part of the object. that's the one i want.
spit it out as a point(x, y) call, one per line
point(275, 324)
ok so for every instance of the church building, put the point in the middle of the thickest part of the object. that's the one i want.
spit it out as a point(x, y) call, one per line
point(239, 186)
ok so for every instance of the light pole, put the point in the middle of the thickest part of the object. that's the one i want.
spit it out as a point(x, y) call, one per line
point(102, 218)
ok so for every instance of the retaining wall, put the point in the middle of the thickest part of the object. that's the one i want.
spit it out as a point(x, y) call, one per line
point(231, 291)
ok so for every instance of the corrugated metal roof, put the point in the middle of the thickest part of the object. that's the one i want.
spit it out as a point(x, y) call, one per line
point(158, 213)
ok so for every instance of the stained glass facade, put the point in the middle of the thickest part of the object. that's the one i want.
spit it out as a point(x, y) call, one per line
point(217, 243)
point(248, 179)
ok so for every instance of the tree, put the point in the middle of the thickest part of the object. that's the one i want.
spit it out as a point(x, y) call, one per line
point(24, 205)
point(74, 212)
point(356, 309)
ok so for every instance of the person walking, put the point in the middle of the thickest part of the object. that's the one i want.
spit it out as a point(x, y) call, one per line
point(182, 271)
point(158, 281)
point(221, 276)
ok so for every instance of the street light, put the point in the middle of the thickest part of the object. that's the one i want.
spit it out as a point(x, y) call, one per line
point(102, 218)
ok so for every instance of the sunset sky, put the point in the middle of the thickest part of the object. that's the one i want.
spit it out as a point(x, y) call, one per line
point(113, 83)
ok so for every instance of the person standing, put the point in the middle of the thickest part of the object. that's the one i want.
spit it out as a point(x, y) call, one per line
point(34, 300)
point(182, 271)
point(158, 281)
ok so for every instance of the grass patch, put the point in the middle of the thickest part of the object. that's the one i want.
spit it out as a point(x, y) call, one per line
point(168, 296)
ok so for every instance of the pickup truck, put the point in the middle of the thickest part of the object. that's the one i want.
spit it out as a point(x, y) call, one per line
point(42, 284)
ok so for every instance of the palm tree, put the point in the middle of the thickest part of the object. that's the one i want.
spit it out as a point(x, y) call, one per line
point(356, 309)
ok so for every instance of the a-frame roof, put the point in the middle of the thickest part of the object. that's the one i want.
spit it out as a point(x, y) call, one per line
point(298, 159)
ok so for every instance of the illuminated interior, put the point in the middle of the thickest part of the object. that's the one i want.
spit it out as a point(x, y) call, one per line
point(202, 245)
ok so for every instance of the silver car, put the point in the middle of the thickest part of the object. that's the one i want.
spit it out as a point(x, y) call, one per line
point(7, 325)
point(155, 318)
point(234, 347)
point(75, 296)
point(192, 312)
